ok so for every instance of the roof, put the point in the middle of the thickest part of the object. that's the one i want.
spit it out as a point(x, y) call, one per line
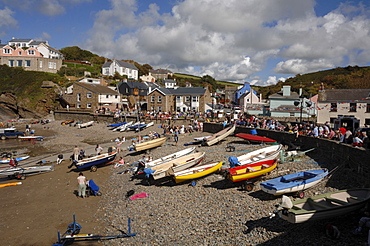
point(139, 85)
point(180, 91)
point(279, 95)
point(334, 95)
point(20, 40)
point(37, 42)
point(121, 64)
point(100, 89)
point(170, 81)
point(160, 71)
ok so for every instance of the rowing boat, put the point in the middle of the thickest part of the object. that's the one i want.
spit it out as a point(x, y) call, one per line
point(324, 206)
point(86, 124)
point(22, 172)
point(294, 182)
point(255, 138)
point(31, 137)
point(197, 172)
point(179, 164)
point(217, 137)
point(250, 171)
point(169, 157)
point(94, 162)
point(150, 144)
point(22, 158)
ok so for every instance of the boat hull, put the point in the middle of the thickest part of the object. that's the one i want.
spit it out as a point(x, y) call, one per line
point(197, 172)
point(264, 154)
point(251, 170)
point(326, 205)
point(150, 144)
point(14, 171)
point(5, 161)
point(220, 136)
point(255, 138)
point(294, 182)
point(169, 157)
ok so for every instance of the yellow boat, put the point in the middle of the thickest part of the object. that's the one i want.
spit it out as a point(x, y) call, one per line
point(150, 144)
point(251, 170)
point(197, 172)
point(10, 184)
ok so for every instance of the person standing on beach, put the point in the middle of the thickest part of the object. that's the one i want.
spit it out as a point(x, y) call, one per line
point(176, 137)
point(76, 152)
point(98, 149)
point(81, 180)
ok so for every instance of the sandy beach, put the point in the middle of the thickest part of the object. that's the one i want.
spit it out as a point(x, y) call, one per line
point(212, 212)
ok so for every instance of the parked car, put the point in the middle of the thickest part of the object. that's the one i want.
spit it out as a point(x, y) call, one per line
point(10, 132)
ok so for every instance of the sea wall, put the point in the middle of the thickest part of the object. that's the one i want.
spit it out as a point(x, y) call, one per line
point(328, 153)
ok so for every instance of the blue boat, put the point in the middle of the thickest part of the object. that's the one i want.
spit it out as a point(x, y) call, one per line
point(94, 162)
point(116, 124)
point(294, 182)
point(134, 127)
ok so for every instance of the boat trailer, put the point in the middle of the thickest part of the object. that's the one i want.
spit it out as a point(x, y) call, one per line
point(73, 230)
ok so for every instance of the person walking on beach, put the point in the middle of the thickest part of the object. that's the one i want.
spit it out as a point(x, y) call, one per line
point(76, 152)
point(59, 158)
point(81, 180)
point(98, 149)
point(176, 137)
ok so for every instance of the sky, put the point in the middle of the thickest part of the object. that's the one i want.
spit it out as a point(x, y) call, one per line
point(256, 41)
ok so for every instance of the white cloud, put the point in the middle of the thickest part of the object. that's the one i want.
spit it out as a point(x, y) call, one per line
point(234, 40)
point(6, 20)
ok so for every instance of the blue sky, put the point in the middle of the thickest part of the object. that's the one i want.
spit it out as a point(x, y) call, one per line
point(258, 41)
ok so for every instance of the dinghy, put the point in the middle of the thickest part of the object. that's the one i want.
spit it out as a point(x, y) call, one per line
point(217, 137)
point(169, 157)
point(251, 170)
point(22, 172)
point(255, 138)
point(197, 172)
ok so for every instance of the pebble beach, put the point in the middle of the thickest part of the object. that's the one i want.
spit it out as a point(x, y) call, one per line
point(209, 211)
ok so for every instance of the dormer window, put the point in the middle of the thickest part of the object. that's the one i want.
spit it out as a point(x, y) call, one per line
point(7, 51)
point(19, 53)
point(31, 52)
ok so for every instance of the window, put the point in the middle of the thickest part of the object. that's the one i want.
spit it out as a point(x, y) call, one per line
point(31, 52)
point(178, 109)
point(152, 99)
point(333, 107)
point(88, 105)
point(40, 64)
point(195, 99)
point(352, 107)
point(178, 98)
point(291, 114)
point(7, 51)
point(159, 99)
point(19, 53)
point(28, 63)
point(368, 108)
point(11, 63)
point(187, 99)
point(107, 96)
point(89, 95)
point(78, 97)
point(78, 105)
point(19, 63)
point(159, 108)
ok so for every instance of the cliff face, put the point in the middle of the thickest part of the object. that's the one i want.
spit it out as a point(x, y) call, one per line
point(11, 107)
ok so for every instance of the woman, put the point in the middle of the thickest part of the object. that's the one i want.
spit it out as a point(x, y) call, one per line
point(81, 180)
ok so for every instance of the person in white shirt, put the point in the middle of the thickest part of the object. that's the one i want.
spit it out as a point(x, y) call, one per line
point(81, 180)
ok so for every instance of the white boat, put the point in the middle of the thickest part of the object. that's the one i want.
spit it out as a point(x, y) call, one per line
point(179, 164)
point(123, 127)
point(268, 153)
point(7, 160)
point(31, 137)
point(217, 137)
point(22, 172)
point(199, 139)
point(86, 124)
point(169, 157)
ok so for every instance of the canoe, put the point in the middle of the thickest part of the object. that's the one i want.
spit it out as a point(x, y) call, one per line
point(255, 138)
point(10, 184)
point(86, 124)
point(294, 182)
point(267, 153)
point(219, 136)
point(179, 164)
point(116, 124)
point(169, 157)
point(251, 170)
point(22, 158)
point(95, 161)
point(150, 144)
point(196, 172)
point(324, 206)
point(21, 172)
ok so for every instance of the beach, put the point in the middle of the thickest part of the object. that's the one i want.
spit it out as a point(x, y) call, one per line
point(211, 211)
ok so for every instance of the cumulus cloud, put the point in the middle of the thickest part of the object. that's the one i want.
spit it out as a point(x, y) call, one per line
point(6, 20)
point(233, 40)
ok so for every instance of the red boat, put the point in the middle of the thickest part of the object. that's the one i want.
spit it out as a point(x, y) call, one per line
point(255, 138)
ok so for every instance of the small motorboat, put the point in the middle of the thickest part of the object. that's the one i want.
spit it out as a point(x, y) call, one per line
point(31, 138)
point(94, 162)
point(22, 172)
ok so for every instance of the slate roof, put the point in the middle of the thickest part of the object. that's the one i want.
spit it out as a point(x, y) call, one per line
point(37, 42)
point(99, 89)
point(334, 95)
point(279, 95)
point(121, 64)
point(182, 91)
point(20, 40)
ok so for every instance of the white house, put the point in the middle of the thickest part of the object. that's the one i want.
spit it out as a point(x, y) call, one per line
point(41, 46)
point(122, 68)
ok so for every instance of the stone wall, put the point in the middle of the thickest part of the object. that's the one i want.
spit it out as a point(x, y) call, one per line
point(355, 162)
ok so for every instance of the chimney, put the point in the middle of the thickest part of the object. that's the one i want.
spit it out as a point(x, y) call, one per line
point(286, 90)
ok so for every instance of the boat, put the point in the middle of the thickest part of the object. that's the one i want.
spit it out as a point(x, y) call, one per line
point(7, 160)
point(255, 138)
point(150, 144)
point(67, 122)
point(94, 162)
point(200, 139)
point(86, 124)
point(169, 157)
point(294, 182)
point(217, 137)
point(10, 184)
point(295, 153)
point(137, 125)
point(116, 124)
point(22, 172)
point(119, 128)
point(31, 137)
point(197, 172)
point(250, 171)
point(323, 206)
point(144, 126)
point(179, 164)
point(267, 153)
